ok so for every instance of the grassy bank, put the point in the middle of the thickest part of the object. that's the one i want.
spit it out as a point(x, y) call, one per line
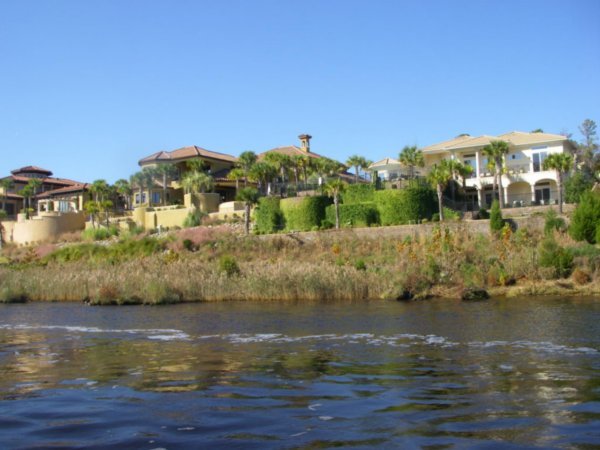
point(215, 264)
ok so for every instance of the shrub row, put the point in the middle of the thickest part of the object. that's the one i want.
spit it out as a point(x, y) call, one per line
point(354, 215)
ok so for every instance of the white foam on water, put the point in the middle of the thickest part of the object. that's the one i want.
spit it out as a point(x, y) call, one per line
point(325, 418)
point(314, 407)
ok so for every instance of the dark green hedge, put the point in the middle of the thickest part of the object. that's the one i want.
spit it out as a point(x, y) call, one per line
point(268, 216)
point(304, 213)
point(358, 193)
point(411, 204)
point(358, 215)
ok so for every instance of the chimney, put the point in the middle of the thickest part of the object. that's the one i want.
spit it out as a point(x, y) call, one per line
point(305, 142)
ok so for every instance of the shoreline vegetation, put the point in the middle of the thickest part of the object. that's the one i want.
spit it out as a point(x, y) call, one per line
point(220, 263)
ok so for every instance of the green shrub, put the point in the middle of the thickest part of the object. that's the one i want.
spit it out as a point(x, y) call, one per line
point(193, 219)
point(411, 204)
point(554, 256)
point(188, 244)
point(360, 265)
point(358, 193)
point(99, 234)
point(268, 217)
point(120, 251)
point(354, 215)
point(576, 185)
point(449, 214)
point(304, 213)
point(585, 218)
point(496, 221)
point(229, 266)
point(483, 214)
point(553, 222)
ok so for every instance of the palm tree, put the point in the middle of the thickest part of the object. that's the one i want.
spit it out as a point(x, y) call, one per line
point(35, 184)
point(6, 184)
point(197, 182)
point(249, 196)
point(92, 207)
point(439, 176)
point(561, 163)
point(99, 189)
point(168, 172)
point(495, 151)
point(149, 175)
point(357, 162)
point(411, 157)
point(236, 174)
point(124, 189)
point(245, 162)
point(333, 189)
point(262, 172)
point(137, 180)
point(2, 217)
point(305, 164)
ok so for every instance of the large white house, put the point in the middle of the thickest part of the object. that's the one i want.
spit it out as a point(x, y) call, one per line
point(525, 181)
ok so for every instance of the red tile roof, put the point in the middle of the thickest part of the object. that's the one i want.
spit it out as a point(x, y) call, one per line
point(290, 150)
point(32, 169)
point(186, 153)
point(65, 190)
point(47, 180)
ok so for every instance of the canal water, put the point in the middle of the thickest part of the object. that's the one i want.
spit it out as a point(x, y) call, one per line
point(518, 373)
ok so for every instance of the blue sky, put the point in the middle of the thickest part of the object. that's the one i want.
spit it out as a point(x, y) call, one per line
point(87, 88)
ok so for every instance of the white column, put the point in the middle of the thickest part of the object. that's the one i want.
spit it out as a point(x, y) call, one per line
point(479, 196)
point(532, 193)
point(477, 163)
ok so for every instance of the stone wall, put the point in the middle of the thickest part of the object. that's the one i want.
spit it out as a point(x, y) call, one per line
point(42, 228)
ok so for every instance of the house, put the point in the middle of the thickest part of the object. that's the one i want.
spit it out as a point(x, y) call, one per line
point(216, 164)
point(53, 194)
point(525, 181)
point(390, 169)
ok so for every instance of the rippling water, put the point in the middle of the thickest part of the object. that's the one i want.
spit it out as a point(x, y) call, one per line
point(523, 373)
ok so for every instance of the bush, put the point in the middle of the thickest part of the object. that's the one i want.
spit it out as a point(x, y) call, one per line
point(496, 221)
point(553, 222)
point(411, 204)
point(483, 214)
point(576, 186)
point(358, 214)
point(188, 244)
point(449, 214)
point(268, 216)
point(360, 265)
point(358, 193)
point(585, 219)
point(229, 266)
point(193, 219)
point(99, 234)
point(119, 251)
point(304, 213)
point(554, 256)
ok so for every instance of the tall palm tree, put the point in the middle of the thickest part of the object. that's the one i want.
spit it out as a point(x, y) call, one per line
point(357, 162)
point(262, 172)
point(138, 180)
point(249, 196)
point(280, 162)
point(236, 174)
point(167, 171)
point(333, 189)
point(439, 176)
point(561, 163)
point(495, 151)
point(245, 162)
point(197, 182)
point(305, 165)
point(124, 190)
point(149, 175)
point(6, 184)
point(99, 189)
point(411, 157)
point(27, 192)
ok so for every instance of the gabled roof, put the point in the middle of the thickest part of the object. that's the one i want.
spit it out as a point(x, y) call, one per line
point(186, 153)
point(290, 150)
point(32, 169)
point(514, 138)
point(445, 144)
point(80, 187)
point(47, 180)
point(385, 162)
point(521, 138)
point(480, 141)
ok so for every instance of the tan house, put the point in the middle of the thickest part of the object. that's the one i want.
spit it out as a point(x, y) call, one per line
point(525, 181)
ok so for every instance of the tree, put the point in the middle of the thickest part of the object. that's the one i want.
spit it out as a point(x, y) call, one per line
point(305, 165)
point(333, 189)
point(586, 218)
point(197, 182)
point(495, 151)
point(28, 192)
point(280, 162)
point(138, 180)
point(236, 174)
point(167, 172)
point(99, 189)
point(357, 162)
point(6, 184)
point(561, 163)
point(245, 162)
point(123, 188)
point(411, 157)
point(578, 183)
point(261, 173)
point(249, 196)
point(439, 176)
point(92, 208)
point(2, 217)
point(496, 220)
point(589, 146)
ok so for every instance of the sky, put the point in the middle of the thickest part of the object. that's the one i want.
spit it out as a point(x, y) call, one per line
point(87, 88)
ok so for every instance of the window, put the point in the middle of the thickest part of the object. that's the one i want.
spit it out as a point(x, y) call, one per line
point(63, 206)
point(516, 156)
point(156, 197)
point(538, 161)
point(137, 199)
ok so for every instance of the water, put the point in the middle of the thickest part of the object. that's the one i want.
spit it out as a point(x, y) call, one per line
point(523, 373)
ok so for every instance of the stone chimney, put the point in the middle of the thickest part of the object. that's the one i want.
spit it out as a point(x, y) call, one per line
point(305, 142)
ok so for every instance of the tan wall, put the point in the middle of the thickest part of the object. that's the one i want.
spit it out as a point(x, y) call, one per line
point(207, 203)
point(151, 218)
point(230, 207)
point(44, 227)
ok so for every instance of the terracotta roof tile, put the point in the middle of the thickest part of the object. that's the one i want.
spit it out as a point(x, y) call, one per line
point(64, 190)
point(186, 153)
point(34, 169)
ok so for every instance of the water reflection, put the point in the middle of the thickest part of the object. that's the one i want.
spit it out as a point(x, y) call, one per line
point(390, 375)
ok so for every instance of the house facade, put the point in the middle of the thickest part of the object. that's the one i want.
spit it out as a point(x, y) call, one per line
point(524, 180)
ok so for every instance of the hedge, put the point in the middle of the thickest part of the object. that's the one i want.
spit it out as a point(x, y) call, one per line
point(268, 216)
point(357, 215)
point(358, 193)
point(401, 206)
point(304, 213)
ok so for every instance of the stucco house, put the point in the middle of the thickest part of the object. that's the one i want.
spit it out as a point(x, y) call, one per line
point(525, 181)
